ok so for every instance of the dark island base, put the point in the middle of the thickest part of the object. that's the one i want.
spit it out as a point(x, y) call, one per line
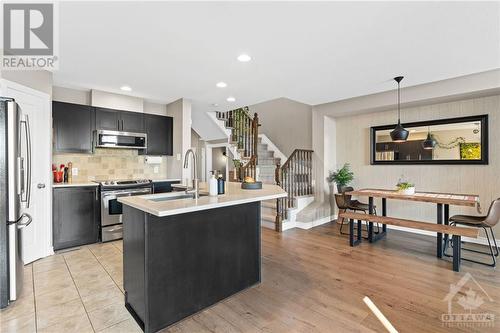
point(175, 266)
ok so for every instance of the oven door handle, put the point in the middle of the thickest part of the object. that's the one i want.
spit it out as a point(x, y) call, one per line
point(122, 193)
point(105, 200)
point(116, 228)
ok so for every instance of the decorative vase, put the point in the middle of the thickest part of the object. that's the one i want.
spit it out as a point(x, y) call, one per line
point(340, 188)
point(407, 191)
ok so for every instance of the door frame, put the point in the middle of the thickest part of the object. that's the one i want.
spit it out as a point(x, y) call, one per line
point(209, 158)
point(46, 240)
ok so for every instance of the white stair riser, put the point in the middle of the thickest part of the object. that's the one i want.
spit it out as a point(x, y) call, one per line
point(268, 211)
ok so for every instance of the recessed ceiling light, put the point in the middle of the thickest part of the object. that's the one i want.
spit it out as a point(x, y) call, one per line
point(215, 105)
point(231, 99)
point(126, 88)
point(244, 57)
point(221, 84)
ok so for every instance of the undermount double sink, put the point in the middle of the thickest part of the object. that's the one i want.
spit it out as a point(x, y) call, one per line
point(171, 196)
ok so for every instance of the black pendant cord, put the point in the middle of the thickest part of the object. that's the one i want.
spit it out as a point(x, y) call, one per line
point(399, 134)
point(399, 104)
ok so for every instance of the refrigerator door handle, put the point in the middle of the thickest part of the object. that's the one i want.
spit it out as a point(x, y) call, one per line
point(25, 224)
point(27, 189)
point(20, 176)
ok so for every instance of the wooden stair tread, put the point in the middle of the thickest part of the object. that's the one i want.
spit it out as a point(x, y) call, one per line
point(445, 229)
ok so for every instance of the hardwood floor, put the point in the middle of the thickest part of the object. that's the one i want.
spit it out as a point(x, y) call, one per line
point(312, 282)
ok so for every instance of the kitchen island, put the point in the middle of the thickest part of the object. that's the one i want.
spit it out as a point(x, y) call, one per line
point(181, 255)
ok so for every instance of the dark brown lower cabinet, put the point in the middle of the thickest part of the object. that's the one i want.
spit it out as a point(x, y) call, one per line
point(164, 187)
point(75, 216)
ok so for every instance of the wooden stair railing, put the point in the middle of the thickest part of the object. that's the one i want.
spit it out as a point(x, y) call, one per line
point(245, 137)
point(295, 177)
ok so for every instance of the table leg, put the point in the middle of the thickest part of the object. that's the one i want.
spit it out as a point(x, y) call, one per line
point(352, 241)
point(371, 236)
point(439, 250)
point(384, 213)
point(456, 253)
point(446, 222)
point(370, 224)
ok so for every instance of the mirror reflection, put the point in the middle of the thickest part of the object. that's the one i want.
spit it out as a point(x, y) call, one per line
point(455, 141)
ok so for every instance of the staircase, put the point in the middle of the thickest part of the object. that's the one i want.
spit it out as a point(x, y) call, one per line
point(260, 162)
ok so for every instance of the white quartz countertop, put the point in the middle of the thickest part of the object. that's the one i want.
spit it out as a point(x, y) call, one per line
point(234, 196)
point(58, 185)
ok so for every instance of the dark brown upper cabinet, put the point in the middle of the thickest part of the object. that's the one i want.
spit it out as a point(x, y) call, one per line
point(123, 121)
point(73, 125)
point(160, 134)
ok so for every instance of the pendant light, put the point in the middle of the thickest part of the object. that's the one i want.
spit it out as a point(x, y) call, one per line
point(399, 134)
point(430, 142)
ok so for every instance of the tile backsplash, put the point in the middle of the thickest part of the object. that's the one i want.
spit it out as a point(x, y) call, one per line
point(108, 163)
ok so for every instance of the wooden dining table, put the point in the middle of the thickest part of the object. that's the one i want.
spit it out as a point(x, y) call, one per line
point(443, 202)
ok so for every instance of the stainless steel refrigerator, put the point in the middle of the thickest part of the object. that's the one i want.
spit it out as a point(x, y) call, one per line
point(15, 184)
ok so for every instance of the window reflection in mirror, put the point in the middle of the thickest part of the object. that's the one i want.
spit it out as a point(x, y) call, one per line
point(438, 141)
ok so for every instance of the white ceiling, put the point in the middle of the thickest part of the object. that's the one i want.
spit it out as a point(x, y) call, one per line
point(310, 52)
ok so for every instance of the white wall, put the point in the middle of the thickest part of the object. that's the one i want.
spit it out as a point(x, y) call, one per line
point(38, 80)
point(353, 146)
point(155, 108)
point(180, 110)
point(110, 100)
point(69, 95)
point(286, 122)
point(199, 146)
point(84, 97)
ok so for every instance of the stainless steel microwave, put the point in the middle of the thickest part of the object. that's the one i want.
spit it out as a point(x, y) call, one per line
point(117, 139)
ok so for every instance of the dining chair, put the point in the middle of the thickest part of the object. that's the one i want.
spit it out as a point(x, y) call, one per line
point(344, 202)
point(356, 204)
point(486, 223)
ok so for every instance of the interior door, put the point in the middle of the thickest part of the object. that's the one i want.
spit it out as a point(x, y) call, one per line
point(35, 106)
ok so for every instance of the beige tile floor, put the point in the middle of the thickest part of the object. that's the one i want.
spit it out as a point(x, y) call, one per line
point(74, 291)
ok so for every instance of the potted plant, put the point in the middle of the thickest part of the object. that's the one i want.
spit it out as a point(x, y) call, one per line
point(342, 177)
point(406, 188)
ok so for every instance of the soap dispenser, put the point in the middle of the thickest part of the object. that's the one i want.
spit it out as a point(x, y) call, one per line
point(212, 185)
point(220, 185)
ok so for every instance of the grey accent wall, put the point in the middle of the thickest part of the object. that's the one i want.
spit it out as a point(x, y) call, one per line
point(218, 161)
point(286, 122)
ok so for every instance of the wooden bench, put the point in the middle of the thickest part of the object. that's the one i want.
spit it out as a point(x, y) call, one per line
point(457, 232)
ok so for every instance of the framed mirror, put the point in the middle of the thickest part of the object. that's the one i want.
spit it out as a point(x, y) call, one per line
point(445, 141)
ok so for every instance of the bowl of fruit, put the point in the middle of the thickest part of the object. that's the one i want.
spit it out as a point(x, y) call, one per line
point(250, 184)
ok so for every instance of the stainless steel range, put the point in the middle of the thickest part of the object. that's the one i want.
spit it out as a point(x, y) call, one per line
point(111, 209)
